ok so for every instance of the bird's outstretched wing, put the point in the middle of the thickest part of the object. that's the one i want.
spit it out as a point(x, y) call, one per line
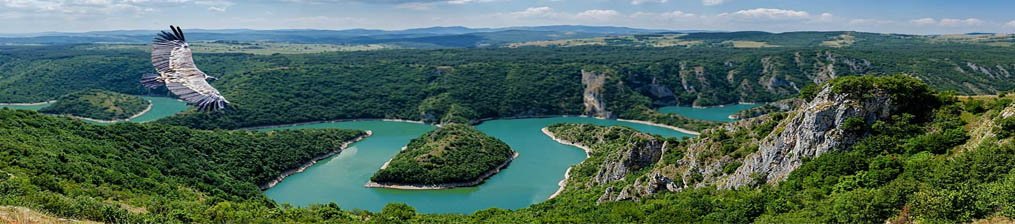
point(171, 52)
point(172, 57)
point(190, 85)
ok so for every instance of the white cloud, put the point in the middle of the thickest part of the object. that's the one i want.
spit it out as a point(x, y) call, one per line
point(415, 6)
point(639, 2)
point(666, 15)
point(542, 11)
point(213, 5)
point(947, 22)
point(1010, 24)
point(459, 2)
point(961, 22)
point(861, 22)
point(597, 14)
point(768, 13)
point(712, 2)
point(924, 21)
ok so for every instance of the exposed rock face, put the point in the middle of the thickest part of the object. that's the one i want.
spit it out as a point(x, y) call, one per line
point(997, 72)
point(825, 66)
point(650, 184)
point(595, 105)
point(812, 131)
point(634, 156)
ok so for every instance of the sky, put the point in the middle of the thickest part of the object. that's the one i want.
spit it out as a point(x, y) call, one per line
point(884, 16)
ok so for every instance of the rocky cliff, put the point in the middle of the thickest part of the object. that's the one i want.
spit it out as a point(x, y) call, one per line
point(756, 78)
point(592, 96)
point(623, 150)
point(765, 149)
point(811, 131)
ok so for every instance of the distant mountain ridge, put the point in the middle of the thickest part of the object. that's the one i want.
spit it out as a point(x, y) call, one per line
point(429, 37)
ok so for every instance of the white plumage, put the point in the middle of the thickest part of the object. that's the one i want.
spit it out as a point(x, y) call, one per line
point(174, 62)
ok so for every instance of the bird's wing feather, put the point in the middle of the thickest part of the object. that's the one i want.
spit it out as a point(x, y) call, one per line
point(170, 51)
point(193, 88)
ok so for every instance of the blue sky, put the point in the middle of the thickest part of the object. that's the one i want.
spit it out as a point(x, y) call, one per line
point(886, 16)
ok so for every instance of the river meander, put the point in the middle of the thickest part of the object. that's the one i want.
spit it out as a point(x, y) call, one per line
point(531, 178)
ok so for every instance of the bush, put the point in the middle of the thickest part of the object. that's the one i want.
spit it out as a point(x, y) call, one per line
point(1005, 127)
point(854, 125)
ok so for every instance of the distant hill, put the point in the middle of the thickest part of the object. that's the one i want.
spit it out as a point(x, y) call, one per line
point(431, 37)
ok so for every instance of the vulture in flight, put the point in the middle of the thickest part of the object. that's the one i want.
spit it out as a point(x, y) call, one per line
point(172, 59)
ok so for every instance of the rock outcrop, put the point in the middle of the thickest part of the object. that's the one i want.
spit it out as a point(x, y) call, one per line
point(652, 183)
point(760, 157)
point(813, 130)
point(634, 156)
point(592, 96)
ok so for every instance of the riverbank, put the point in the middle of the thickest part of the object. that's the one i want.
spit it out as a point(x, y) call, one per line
point(567, 174)
point(27, 104)
point(675, 128)
point(389, 160)
point(313, 161)
point(145, 111)
point(475, 182)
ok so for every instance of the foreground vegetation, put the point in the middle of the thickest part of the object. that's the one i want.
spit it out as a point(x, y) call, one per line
point(451, 154)
point(132, 173)
point(98, 104)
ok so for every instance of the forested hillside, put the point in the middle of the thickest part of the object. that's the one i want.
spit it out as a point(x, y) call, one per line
point(134, 173)
point(484, 83)
point(98, 104)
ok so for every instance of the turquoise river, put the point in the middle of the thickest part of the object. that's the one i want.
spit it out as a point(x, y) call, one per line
point(713, 113)
point(161, 107)
point(530, 179)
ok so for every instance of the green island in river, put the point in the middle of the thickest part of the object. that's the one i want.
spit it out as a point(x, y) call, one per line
point(99, 105)
point(454, 155)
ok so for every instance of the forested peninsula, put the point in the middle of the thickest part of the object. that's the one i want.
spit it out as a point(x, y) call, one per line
point(454, 155)
point(98, 105)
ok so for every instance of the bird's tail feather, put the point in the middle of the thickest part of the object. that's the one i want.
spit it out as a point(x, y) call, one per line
point(152, 81)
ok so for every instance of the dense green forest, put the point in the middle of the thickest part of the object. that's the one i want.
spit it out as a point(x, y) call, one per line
point(940, 161)
point(98, 104)
point(498, 82)
point(451, 154)
point(133, 173)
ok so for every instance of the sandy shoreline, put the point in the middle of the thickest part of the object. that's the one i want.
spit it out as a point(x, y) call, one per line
point(313, 161)
point(567, 174)
point(389, 160)
point(682, 130)
point(478, 181)
point(27, 104)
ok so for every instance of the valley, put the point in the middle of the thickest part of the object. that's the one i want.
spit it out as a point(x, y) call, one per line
point(603, 124)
